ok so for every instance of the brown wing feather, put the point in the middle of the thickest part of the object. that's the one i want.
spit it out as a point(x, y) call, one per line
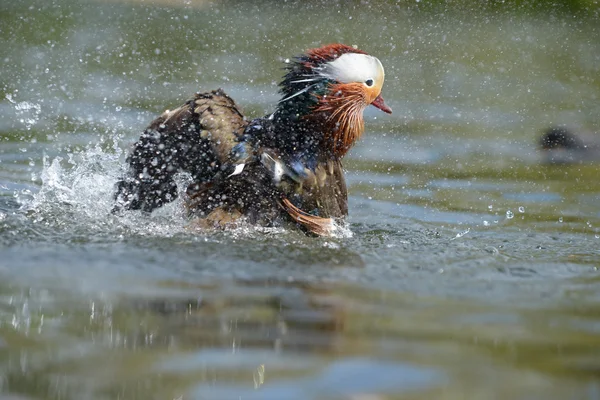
point(221, 121)
point(195, 138)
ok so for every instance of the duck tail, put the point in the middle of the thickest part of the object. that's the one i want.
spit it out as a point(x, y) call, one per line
point(317, 225)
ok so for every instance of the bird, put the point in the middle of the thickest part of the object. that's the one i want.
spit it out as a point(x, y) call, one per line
point(562, 145)
point(285, 167)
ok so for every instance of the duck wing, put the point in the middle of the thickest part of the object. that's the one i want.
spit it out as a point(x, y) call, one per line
point(325, 190)
point(196, 138)
point(312, 197)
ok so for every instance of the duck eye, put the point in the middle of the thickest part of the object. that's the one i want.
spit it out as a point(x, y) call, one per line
point(369, 82)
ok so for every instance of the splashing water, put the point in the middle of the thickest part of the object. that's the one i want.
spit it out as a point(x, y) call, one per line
point(28, 113)
point(85, 183)
point(77, 195)
point(461, 234)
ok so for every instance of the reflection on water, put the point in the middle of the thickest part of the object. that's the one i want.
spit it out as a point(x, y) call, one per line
point(276, 339)
point(472, 268)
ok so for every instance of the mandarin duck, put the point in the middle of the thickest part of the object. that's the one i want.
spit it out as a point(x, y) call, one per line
point(285, 166)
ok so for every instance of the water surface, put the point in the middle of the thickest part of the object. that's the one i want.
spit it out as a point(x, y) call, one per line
point(471, 267)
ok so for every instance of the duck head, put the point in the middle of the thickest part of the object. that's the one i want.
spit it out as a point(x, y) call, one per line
point(331, 86)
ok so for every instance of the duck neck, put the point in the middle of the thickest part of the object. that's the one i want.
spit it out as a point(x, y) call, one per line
point(344, 124)
point(300, 134)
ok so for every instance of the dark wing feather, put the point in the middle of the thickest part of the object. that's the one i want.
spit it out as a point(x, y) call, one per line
point(196, 138)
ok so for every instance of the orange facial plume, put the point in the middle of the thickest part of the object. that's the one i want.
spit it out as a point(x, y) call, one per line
point(344, 109)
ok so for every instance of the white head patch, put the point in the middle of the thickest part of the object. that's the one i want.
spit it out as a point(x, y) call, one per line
point(353, 67)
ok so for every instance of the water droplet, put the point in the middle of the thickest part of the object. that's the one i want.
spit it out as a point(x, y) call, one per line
point(461, 234)
point(521, 209)
point(509, 214)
